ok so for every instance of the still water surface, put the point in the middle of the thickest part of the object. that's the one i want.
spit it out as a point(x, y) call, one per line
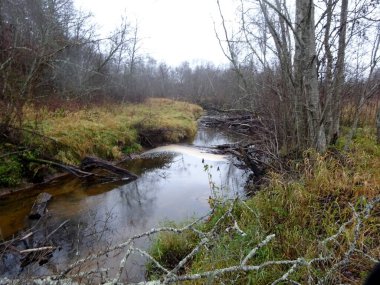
point(172, 185)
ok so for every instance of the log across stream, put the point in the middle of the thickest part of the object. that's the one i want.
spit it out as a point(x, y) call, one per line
point(173, 184)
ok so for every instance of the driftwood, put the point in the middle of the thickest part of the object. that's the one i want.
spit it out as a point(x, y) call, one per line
point(89, 163)
point(244, 124)
point(69, 168)
point(252, 157)
point(40, 255)
point(256, 151)
point(39, 206)
point(249, 157)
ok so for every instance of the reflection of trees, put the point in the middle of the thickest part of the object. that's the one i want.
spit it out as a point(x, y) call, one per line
point(228, 179)
point(136, 202)
point(236, 178)
point(180, 164)
point(97, 221)
point(207, 136)
point(129, 208)
point(215, 136)
point(149, 163)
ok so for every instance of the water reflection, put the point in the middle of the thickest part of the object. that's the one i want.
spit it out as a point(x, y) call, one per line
point(175, 183)
point(214, 136)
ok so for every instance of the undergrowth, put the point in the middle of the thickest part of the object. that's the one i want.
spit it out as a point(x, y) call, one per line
point(10, 172)
point(301, 212)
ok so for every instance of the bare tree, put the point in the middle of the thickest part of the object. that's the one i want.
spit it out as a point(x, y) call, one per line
point(300, 64)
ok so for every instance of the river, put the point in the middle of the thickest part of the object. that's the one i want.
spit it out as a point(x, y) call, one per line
point(174, 184)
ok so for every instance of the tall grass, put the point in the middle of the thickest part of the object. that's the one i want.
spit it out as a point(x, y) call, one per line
point(111, 131)
point(301, 212)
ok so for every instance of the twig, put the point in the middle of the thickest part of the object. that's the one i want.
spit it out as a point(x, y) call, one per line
point(37, 249)
point(254, 250)
point(286, 275)
point(60, 226)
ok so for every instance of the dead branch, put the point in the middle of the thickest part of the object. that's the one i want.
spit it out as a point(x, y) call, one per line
point(90, 162)
point(44, 248)
point(171, 276)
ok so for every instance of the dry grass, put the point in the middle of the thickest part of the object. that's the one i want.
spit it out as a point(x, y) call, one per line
point(367, 113)
point(301, 213)
point(111, 131)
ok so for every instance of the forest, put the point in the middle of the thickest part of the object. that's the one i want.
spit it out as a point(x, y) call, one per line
point(301, 95)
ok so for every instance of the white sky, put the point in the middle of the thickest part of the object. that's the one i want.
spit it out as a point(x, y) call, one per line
point(172, 31)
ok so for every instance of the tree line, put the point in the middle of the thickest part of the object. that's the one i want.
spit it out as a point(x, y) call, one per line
point(51, 55)
point(299, 68)
point(302, 64)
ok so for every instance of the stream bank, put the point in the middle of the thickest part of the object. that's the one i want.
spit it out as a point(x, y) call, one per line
point(175, 183)
point(109, 132)
point(319, 227)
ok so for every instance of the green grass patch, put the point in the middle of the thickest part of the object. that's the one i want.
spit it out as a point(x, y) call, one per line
point(10, 172)
point(170, 248)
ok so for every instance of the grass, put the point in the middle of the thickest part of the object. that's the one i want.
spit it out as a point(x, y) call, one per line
point(111, 131)
point(301, 212)
point(10, 172)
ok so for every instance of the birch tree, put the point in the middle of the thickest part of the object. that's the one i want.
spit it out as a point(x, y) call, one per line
point(302, 52)
point(306, 77)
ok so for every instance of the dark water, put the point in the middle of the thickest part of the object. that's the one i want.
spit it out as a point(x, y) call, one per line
point(172, 185)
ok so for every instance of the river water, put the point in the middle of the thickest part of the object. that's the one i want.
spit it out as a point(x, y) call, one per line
point(174, 184)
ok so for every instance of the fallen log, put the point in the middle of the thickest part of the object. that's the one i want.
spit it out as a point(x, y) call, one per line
point(69, 168)
point(89, 163)
point(39, 206)
point(251, 157)
point(243, 124)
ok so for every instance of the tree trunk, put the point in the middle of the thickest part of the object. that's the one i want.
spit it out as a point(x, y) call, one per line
point(339, 75)
point(306, 77)
point(378, 125)
point(327, 115)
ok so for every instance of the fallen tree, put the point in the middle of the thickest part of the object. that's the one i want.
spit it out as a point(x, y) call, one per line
point(85, 170)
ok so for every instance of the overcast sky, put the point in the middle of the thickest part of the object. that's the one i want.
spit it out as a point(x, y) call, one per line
point(172, 31)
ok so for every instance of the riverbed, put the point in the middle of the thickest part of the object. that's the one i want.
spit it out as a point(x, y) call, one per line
point(175, 184)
